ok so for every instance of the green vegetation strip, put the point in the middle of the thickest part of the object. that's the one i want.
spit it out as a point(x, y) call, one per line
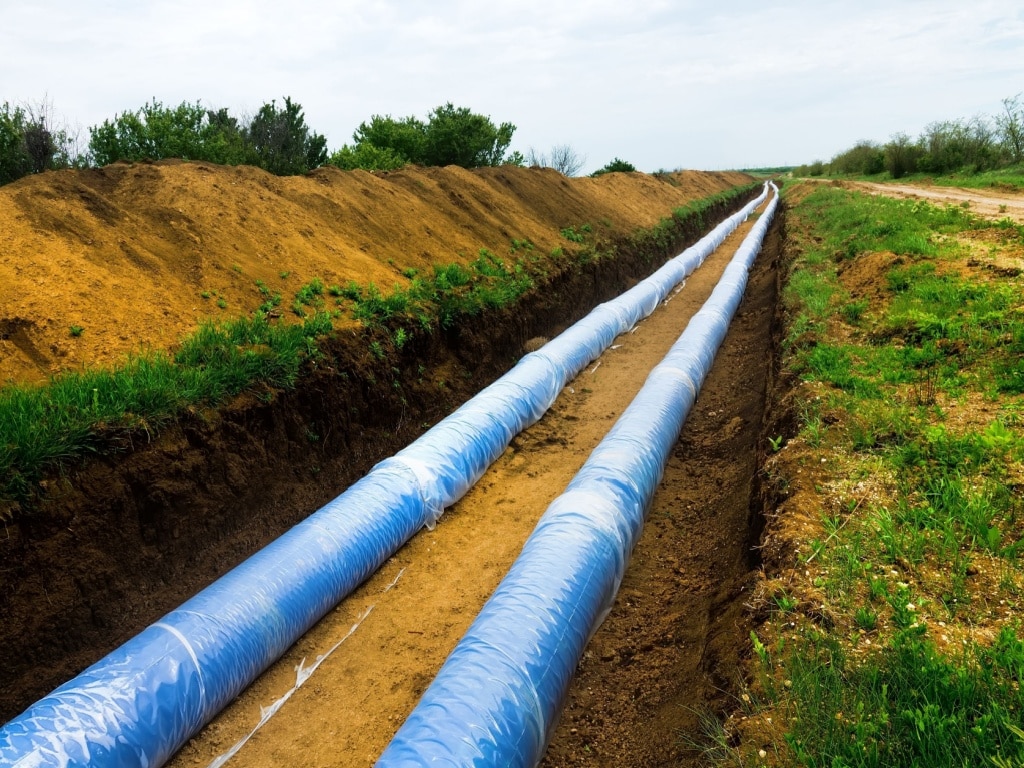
point(43, 428)
point(897, 639)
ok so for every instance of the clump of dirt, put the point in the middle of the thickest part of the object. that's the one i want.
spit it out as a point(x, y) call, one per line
point(125, 252)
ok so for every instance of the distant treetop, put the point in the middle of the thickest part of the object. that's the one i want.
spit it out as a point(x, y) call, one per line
point(615, 166)
point(275, 139)
point(450, 136)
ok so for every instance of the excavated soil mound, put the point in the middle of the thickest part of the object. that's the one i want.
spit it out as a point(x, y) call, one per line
point(137, 255)
point(128, 252)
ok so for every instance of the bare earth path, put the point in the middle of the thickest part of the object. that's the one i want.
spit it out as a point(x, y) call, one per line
point(409, 616)
point(990, 203)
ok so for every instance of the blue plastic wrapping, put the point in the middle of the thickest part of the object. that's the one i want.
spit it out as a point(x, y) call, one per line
point(498, 695)
point(142, 702)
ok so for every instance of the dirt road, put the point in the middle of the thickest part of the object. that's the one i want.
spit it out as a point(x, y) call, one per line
point(671, 641)
point(990, 203)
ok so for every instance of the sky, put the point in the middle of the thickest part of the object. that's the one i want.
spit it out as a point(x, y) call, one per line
point(663, 85)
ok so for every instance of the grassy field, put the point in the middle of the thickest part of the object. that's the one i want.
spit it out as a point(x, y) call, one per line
point(893, 579)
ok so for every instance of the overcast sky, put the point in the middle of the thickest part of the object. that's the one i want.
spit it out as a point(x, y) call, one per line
point(706, 85)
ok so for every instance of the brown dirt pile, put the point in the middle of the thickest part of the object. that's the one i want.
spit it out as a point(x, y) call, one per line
point(137, 255)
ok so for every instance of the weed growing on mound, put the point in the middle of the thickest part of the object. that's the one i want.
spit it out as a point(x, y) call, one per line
point(453, 292)
point(903, 482)
point(309, 295)
point(81, 413)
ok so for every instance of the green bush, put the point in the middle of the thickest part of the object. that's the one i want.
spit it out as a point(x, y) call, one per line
point(450, 136)
point(276, 139)
point(31, 143)
point(615, 166)
point(282, 143)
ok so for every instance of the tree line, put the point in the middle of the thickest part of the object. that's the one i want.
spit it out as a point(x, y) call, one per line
point(981, 143)
point(276, 138)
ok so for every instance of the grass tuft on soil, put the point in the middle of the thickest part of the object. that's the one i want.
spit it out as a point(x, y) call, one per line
point(893, 579)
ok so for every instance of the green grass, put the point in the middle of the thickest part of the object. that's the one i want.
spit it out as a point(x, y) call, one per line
point(309, 296)
point(98, 410)
point(913, 399)
point(1004, 178)
point(908, 705)
point(450, 294)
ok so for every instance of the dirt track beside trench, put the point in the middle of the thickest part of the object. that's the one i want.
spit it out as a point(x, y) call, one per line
point(989, 203)
point(675, 634)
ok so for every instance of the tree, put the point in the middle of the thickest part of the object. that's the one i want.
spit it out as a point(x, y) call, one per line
point(563, 159)
point(152, 132)
point(1010, 124)
point(282, 143)
point(615, 166)
point(155, 132)
point(277, 140)
point(456, 136)
point(31, 142)
point(224, 139)
point(450, 136)
point(948, 146)
point(901, 155)
point(405, 138)
point(864, 158)
point(14, 161)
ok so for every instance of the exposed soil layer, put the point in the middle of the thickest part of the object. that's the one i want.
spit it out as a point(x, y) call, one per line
point(137, 255)
point(112, 545)
point(671, 643)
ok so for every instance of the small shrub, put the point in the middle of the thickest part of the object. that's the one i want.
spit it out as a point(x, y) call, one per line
point(574, 235)
point(615, 166)
point(401, 337)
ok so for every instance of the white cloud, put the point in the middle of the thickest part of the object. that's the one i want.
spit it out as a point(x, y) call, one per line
point(661, 83)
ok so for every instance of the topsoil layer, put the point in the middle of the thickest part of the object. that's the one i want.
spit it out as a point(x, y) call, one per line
point(127, 252)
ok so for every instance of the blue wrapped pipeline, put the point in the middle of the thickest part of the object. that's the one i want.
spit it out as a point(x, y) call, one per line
point(498, 695)
point(142, 702)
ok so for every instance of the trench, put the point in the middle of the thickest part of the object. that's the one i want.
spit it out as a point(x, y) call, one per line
point(118, 542)
point(669, 655)
point(675, 636)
